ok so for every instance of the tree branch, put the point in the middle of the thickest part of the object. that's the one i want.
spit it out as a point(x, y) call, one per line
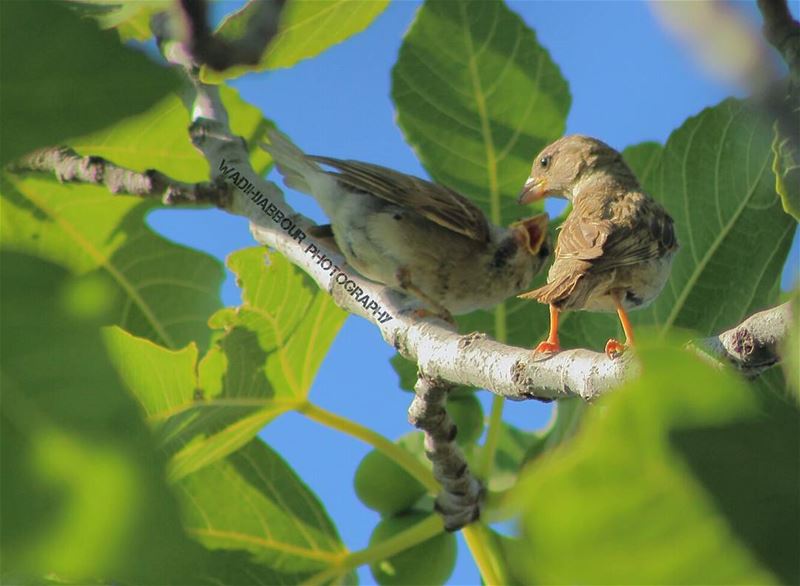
point(68, 166)
point(754, 345)
point(439, 351)
point(218, 53)
point(462, 494)
point(782, 32)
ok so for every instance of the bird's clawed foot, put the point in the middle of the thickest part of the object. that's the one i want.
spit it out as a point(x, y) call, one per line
point(547, 347)
point(614, 348)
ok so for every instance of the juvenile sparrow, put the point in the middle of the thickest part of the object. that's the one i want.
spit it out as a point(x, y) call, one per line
point(616, 246)
point(415, 236)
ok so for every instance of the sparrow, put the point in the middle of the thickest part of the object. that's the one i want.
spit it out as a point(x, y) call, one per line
point(615, 248)
point(415, 236)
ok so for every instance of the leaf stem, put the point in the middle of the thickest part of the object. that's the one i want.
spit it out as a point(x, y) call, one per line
point(484, 555)
point(400, 456)
point(419, 533)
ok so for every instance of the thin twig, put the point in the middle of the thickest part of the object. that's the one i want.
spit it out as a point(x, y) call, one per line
point(70, 167)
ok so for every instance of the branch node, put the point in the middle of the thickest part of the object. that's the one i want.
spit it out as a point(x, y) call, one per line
point(467, 340)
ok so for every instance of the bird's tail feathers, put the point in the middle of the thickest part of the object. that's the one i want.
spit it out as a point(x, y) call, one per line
point(556, 292)
point(295, 166)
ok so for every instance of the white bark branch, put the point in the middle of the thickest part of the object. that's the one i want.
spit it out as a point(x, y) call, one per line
point(439, 351)
point(754, 345)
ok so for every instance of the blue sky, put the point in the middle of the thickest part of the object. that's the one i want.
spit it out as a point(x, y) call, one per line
point(630, 82)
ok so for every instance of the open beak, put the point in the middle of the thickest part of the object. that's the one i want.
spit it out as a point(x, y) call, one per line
point(532, 232)
point(533, 190)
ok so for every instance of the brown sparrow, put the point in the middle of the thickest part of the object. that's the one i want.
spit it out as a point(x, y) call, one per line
point(615, 248)
point(416, 236)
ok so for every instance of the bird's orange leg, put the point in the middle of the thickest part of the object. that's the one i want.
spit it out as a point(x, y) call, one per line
point(551, 344)
point(613, 347)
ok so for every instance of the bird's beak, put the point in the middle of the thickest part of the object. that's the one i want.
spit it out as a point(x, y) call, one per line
point(532, 232)
point(533, 190)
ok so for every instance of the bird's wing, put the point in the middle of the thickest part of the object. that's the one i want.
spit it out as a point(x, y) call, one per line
point(434, 202)
point(588, 247)
point(650, 236)
point(609, 244)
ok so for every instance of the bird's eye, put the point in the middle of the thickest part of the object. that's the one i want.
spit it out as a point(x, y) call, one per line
point(544, 162)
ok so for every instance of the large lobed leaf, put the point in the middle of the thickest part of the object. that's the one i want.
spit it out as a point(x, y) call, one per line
point(164, 292)
point(158, 138)
point(252, 503)
point(477, 97)
point(62, 77)
point(83, 499)
point(131, 18)
point(715, 178)
point(161, 291)
point(261, 365)
point(307, 28)
point(685, 477)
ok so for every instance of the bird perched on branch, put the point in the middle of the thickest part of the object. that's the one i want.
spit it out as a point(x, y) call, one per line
point(416, 236)
point(616, 246)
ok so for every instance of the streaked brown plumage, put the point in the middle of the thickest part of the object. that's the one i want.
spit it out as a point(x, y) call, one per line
point(615, 248)
point(416, 236)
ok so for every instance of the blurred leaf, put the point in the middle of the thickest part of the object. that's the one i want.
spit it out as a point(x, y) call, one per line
point(752, 470)
point(158, 139)
point(67, 77)
point(623, 486)
point(262, 364)
point(477, 97)
point(786, 167)
point(713, 176)
point(161, 291)
point(131, 18)
point(307, 28)
point(253, 502)
point(83, 496)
